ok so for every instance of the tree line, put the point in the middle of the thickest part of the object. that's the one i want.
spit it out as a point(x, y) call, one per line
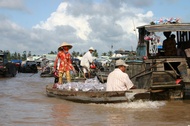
point(17, 56)
point(23, 56)
point(95, 53)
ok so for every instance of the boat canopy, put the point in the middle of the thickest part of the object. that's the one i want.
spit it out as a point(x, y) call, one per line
point(166, 27)
point(147, 48)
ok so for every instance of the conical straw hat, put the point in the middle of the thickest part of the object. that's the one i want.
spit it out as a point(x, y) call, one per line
point(65, 44)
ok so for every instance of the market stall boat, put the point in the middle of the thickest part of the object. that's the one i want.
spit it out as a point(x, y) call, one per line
point(151, 69)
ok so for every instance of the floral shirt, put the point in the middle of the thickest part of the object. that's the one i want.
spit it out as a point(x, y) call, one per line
point(65, 61)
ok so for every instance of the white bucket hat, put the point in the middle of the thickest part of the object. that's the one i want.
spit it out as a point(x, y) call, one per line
point(65, 44)
point(121, 63)
point(91, 48)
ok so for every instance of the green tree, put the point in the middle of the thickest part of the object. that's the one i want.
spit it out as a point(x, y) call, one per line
point(104, 54)
point(29, 54)
point(8, 55)
point(95, 53)
point(110, 53)
point(74, 54)
point(52, 52)
point(19, 57)
point(15, 55)
point(24, 55)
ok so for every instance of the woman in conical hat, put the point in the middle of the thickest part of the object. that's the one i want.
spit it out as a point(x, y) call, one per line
point(65, 64)
point(63, 45)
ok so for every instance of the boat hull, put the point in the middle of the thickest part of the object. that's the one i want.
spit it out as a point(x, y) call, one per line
point(98, 96)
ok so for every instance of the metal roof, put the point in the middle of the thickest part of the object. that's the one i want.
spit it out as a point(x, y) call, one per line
point(166, 27)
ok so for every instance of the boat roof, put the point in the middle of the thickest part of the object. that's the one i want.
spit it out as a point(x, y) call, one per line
point(166, 27)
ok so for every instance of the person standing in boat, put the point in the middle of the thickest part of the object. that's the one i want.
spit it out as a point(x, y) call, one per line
point(118, 80)
point(86, 60)
point(169, 45)
point(65, 64)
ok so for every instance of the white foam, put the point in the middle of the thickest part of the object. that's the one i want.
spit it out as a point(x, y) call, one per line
point(138, 104)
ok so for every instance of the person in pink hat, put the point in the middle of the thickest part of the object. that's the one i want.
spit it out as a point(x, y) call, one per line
point(65, 63)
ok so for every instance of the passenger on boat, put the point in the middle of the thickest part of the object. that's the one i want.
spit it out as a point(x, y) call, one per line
point(43, 64)
point(169, 45)
point(118, 80)
point(65, 64)
point(86, 60)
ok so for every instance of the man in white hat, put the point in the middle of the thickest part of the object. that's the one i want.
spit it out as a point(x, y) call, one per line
point(86, 61)
point(118, 80)
point(65, 64)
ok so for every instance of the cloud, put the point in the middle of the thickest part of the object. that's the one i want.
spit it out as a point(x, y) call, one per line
point(12, 4)
point(11, 34)
point(141, 3)
point(98, 24)
point(60, 18)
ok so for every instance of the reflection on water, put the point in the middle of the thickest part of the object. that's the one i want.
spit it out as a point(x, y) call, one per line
point(23, 102)
point(60, 112)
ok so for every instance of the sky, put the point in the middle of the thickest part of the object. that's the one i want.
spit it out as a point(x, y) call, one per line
point(41, 26)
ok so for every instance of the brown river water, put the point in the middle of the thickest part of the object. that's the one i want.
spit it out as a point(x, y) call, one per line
point(23, 102)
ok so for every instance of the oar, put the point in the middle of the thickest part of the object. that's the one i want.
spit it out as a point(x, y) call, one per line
point(147, 69)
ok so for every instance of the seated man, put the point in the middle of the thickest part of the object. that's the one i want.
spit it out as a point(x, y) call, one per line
point(118, 80)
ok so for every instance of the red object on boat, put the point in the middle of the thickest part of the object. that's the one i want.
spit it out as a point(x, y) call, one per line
point(56, 74)
point(145, 57)
point(93, 66)
point(178, 81)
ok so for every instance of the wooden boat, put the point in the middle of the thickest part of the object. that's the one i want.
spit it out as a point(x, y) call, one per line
point(98, 96)
point(151, 69)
